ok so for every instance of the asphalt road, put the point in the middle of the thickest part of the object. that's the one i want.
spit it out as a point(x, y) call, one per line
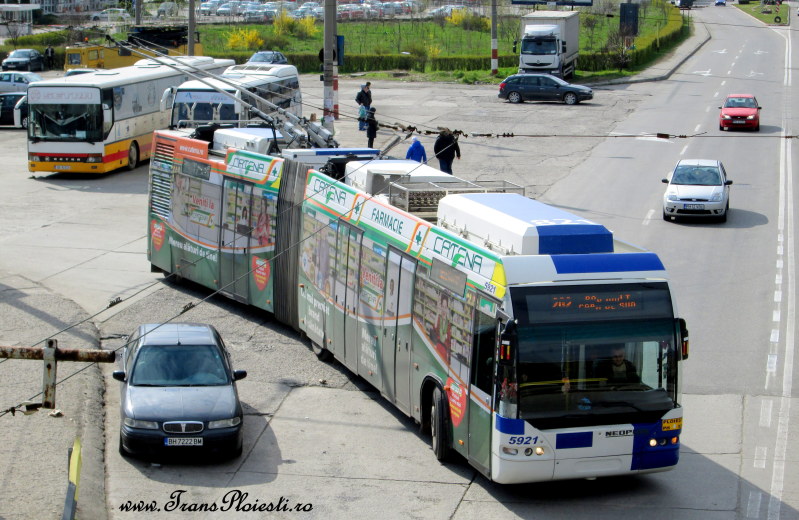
point(316, 435)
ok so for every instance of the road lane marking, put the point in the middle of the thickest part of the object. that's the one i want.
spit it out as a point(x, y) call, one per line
point(785, 224)
point(761, 453)
point(766, 406)
point(648, 217)
point(753, 505)
point(684, 148)
point(697, 128)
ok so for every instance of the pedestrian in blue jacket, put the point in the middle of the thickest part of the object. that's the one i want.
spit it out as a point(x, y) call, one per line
point(416, 151)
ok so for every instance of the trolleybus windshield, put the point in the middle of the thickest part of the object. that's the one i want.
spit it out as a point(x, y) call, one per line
point(595, 354)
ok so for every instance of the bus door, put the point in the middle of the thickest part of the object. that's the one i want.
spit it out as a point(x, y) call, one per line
point(234, 242)
point(481, 384)
point(398, 328)
point(344, 323)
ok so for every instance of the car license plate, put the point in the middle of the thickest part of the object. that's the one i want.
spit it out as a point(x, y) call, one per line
point(694, 206)
point(738, 122)
point(62, 167)
point(183, 441)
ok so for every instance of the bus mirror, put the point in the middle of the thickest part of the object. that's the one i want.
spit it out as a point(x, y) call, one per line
point(507, 342)
point(108, 116)
point(166, 99)
point(683, 338)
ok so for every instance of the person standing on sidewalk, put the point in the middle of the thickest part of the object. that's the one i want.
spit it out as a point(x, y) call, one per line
point(364, 100)
point(49, 57)
point(416, 151)
point(446, 149)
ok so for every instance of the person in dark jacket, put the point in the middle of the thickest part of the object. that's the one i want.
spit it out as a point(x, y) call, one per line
point(371, 127)
point(416, 151)
point(364, 100)
point(446, 149)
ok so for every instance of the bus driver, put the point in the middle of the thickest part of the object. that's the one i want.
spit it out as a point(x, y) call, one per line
point(617, 369)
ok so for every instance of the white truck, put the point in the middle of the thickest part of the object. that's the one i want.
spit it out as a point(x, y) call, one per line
point(550, 42)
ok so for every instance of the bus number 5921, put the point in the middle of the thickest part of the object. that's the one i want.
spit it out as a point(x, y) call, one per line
point(522, 440)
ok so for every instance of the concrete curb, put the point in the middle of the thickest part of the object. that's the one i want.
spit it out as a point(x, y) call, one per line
point(642, 78)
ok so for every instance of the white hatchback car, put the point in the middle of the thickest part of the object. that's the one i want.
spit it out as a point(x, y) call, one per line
point(697, 188)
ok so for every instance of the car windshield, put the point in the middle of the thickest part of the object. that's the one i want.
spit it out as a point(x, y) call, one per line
point(179, 365)
point(19, 54)
point(740, 102)
point(696, 175)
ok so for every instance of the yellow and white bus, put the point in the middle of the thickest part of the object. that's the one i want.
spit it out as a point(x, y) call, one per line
point(104, 120)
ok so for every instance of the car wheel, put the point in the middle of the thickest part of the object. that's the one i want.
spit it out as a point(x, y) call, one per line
point(438, 426)
point(570, 98)
point(666, 216)
point(133, 156)
point(721, 127)
point(515, 97)
point(322, 353)
point(757, 128)
point(723, 218)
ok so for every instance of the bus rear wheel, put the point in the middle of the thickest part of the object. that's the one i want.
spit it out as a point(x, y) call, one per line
point(133, 156)
point(438, 425)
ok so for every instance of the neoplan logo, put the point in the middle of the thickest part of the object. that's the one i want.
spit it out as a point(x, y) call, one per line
point(619, 433)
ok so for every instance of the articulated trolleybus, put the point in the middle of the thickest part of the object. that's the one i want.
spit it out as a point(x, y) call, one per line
point(104, 120)
point(522, 337)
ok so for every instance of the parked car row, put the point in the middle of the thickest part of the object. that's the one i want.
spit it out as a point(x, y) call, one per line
point(254, 11)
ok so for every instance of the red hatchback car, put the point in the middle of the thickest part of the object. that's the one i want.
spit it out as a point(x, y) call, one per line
point(740, 111)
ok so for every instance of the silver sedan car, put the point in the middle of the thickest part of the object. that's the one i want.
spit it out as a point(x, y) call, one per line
point(697, 188)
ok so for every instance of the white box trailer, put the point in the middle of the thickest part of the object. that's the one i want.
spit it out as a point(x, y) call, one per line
point(550, 42)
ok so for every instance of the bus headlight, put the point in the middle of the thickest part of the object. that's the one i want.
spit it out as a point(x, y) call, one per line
point(94, 158)
point(653, 442)
point(539, 450)
point(510, 451)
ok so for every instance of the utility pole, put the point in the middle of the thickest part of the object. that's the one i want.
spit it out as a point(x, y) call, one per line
point(494, 51)
point(330, 69)
point(192, 23)
point(137, 11)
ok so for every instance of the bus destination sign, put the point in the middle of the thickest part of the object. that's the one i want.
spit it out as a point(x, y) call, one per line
point(601, 303)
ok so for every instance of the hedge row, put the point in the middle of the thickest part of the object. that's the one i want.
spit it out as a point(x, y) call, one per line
point(645, 49)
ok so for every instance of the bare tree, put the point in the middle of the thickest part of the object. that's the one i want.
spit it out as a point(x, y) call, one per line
point(14, 29)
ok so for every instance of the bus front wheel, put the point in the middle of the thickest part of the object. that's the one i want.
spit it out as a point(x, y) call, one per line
point(133, 156)
point(438, 425)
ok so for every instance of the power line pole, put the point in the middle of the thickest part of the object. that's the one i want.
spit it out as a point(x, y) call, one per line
point(494, 50)
point(330, 69)
point(192, 24)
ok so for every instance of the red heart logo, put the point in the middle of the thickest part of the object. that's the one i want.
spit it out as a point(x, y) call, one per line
point(157, 231)
point(457, 401)
point(260, 271)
